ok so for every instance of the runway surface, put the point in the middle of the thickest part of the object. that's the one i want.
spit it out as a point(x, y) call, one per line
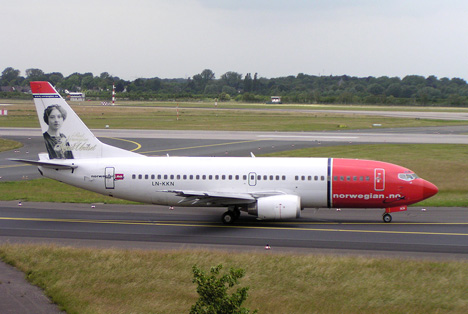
point(435, 232)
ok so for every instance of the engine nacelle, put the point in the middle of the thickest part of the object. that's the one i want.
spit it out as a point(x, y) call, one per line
point(277, 207)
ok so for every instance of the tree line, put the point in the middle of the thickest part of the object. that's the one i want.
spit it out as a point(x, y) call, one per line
point(302, 88)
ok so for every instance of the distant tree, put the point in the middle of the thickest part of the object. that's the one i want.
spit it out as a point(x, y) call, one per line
point(120, 86)
point(375, 89)
point(10, 76)
point(207, 75)
point(35, 75)
point(248, 83)
point(393, 90)
point(232, 79)
point(54, 78)
point(458, 81)
point(255, 83)
point(212, 88)
point(431, 81)
point(414, 80)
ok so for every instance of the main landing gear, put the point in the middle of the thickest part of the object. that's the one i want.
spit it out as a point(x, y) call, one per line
point(230, 216)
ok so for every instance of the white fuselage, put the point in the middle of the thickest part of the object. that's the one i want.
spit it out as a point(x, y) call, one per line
point(154, 179)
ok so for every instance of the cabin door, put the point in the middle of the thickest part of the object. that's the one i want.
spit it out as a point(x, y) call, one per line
point(109, 180)
point(379, 179)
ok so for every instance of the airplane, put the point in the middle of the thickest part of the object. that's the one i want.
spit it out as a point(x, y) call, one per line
point(266, 187)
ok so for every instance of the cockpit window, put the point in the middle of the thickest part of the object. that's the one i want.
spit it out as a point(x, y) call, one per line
point(407, 176)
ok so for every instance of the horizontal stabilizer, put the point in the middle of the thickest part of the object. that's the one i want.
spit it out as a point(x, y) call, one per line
point(47, 164)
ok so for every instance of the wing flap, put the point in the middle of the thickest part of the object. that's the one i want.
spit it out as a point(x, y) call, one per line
point(212, 198)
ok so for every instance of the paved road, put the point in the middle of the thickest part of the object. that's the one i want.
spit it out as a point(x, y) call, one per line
point(435, 232)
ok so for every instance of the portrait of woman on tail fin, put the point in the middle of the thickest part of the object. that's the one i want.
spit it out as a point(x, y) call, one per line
point(56, 143)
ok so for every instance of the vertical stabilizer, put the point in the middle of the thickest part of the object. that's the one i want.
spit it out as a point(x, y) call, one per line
point(65, 135)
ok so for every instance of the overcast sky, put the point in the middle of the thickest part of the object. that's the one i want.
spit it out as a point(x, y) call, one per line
point(181, 38)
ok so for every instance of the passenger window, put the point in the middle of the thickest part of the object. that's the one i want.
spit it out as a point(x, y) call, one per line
point(133, 176)
point(140, 176)
point(165, 177)
point(284, 178)
point(322, 178)
point(178, 177)
point(159, 177)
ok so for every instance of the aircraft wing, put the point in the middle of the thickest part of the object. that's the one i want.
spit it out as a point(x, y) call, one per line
point(213, 198)
point(48, 164)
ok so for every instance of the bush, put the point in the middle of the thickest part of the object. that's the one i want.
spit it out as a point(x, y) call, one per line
point(213, 291)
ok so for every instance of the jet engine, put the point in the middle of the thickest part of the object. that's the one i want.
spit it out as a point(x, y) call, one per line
point(276, 207)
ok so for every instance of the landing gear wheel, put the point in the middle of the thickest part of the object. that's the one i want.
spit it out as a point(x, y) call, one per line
point(228, 217)
point(387, 218)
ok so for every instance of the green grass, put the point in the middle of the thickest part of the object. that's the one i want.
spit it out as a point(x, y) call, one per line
point(9, 145)
point(208, 118)
point(444, 165)
point(84, 280)
point(39, 190)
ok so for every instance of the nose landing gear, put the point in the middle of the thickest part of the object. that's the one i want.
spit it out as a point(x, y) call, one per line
point(387, 217)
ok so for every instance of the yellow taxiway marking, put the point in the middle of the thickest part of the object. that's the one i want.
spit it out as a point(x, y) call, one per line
point(121, 139)
point(201, 146)
point(216, 225)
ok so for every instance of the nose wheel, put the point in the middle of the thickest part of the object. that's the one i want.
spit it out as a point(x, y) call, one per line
point(387, 218)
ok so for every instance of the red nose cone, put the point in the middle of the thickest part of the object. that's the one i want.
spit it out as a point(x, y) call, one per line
point(429, 189)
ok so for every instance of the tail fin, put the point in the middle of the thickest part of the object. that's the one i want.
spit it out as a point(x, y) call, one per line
point(65, 135)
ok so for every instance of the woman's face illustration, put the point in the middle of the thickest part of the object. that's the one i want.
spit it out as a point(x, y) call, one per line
point(55, 120)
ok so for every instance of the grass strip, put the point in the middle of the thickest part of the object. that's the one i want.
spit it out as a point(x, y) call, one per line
point(188, 118)
point(83, 280)
point(9, 145)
